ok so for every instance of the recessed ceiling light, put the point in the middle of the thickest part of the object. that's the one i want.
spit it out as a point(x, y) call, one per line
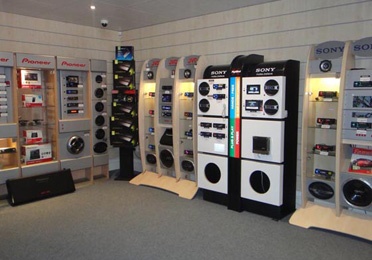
point(93, 7)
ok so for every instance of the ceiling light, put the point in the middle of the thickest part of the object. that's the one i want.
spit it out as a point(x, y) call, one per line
point(93, 7)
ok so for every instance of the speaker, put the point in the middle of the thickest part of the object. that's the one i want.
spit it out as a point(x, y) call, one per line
point(356, 191)
point(28, 189)
point(212, 173)
point(262, 182)
point(323, 190)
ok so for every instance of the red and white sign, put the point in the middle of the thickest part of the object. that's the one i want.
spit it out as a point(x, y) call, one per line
point(72, 64)
point(6, 59)
point(35, 61)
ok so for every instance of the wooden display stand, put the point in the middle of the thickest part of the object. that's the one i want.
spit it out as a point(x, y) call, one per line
point(174, 78)
point(318, 209)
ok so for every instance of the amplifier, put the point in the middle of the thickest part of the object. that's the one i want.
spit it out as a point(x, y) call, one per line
point(28, 189)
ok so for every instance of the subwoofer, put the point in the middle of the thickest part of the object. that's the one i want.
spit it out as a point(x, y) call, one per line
point(28, 189)
point(356, 191)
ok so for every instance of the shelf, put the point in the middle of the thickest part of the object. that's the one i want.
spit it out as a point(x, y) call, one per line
point(356, 142)
point(323, 153)
point(324, 127)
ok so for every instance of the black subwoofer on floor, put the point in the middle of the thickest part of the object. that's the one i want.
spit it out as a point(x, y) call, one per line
point(28, 189)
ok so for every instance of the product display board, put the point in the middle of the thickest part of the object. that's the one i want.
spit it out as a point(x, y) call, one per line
point(189, 69)
point(9, 152)
point(37, 111)
point(146, 112)
point(269, 101)
point(99, 117)
point(336, 140)
point(124, 120)
point(212, 132)
point(74, 125)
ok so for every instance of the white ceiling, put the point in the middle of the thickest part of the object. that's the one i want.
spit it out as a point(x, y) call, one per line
point(122, 15)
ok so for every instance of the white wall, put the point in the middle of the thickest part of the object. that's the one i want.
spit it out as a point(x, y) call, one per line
point(279, 30)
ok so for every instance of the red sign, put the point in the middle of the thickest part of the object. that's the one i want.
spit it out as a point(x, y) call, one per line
point(38, 62)
point(75, 65)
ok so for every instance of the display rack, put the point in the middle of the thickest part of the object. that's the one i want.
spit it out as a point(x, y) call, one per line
point(329, 134)
point(163, 122)
point(9, 149)
point(74, 117)
point(37, 113)
point(124, 112)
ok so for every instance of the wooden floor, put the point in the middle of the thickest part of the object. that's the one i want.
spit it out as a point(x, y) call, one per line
point(184, 188)
point(317, 216)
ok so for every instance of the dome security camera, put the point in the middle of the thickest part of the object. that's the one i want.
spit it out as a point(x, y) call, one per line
point(104, 23)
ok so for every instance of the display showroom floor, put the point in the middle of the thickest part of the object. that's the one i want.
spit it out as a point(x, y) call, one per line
point(117, 220)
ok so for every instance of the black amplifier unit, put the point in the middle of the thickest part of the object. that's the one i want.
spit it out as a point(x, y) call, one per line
point(28, 189)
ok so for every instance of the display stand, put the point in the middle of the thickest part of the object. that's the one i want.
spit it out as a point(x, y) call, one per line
point(124, 115)
point(74, 124)
point(37, 114)
point(168, 124)
point(324, 202)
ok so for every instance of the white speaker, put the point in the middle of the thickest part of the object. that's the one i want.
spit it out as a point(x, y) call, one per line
point(262, 182)
point(212, 173)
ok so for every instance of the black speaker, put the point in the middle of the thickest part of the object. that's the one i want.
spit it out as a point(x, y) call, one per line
point(28, 189)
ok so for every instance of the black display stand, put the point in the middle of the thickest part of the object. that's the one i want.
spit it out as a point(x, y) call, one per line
point(126, 164)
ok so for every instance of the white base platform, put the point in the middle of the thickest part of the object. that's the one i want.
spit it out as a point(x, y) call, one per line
point(184, 188)
point(325, 218)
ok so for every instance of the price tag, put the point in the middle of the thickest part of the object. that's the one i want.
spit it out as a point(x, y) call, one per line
point(324, 153)
point(362, 120)
point(325, 126)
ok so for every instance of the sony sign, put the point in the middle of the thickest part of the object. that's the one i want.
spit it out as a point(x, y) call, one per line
point(362, 47)
point(329, 50)
point(218, 73)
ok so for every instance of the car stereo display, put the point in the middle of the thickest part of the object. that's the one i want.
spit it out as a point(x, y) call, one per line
point(253, 89)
